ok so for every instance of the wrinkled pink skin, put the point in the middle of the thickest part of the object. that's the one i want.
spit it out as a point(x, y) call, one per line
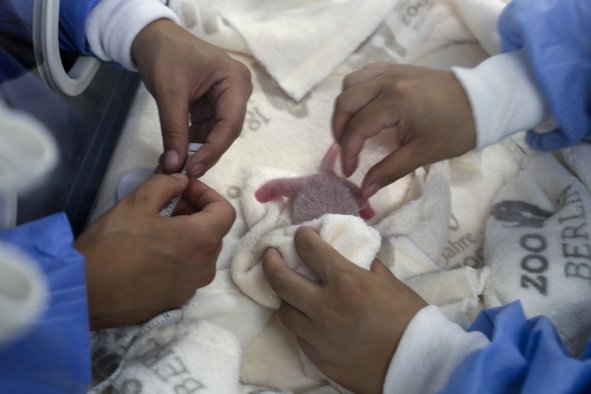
point(315, 195)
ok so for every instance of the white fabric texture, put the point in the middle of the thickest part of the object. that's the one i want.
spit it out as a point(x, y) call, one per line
point(431, 223)
point(481, 17)
point(538, 245)
point(294, 137)
point(429, 350)
point(537, 250)
point(504, 97)
point(301, 42)
point(113, 25)
point(178, 359)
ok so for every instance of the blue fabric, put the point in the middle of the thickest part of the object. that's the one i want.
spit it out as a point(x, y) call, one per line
point(527, 356)
point(524, 356)
point(10, 68)
point(53, 356)
point(72, 24)
point(557, 41)
point(73, 15)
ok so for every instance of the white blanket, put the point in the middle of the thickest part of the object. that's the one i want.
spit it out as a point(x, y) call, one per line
point(300, 42)
point(538, 242)
point(431, 224)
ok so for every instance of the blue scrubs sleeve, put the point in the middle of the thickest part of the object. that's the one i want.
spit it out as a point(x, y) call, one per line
point(524, 356)
point(557, 42)
point(72, 23)
point(73, 15)
point(54, 355)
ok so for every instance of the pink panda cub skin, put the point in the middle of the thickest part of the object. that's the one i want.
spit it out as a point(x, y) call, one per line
point(315, 195)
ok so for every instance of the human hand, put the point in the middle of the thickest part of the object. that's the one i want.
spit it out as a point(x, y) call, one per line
point(350, 323)
point(191, 79)
point(140, 264)
point(425, 111)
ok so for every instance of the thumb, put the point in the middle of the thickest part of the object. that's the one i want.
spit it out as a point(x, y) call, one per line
point(379, 268)
point(159, 189)
point(174, 122)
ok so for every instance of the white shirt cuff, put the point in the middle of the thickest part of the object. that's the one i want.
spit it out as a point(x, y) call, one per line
point(503, 95)
point(429, 350)
point(113, 25)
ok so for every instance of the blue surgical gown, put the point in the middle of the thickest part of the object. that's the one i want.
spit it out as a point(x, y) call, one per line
point(524, 356)
point(73, 15)
point(72, 23)
point(527, 356)
point(556, 35)
point(53, 355)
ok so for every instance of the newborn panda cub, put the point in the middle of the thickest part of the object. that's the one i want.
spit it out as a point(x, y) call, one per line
point(315, 195)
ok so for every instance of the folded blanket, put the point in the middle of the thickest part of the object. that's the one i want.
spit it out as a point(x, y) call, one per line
point(178, 359)
point(481, 18)
point(416, 233)
point(434, 240)
point(300, 42)
point(538, 245)
point(431, 222)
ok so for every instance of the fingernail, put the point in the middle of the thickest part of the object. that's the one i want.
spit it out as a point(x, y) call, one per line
point(272, 252)
point(171, 159)
point(348, 169)
point(179, 175)
point(371, 190)
point(197, 169)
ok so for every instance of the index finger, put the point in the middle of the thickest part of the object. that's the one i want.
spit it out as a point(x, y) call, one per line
point(348, 103)
point(158, 190)
point(230, 97)
point(396, 165)
point(368, 72)
point(202, 203)
point(363, 125)
point(173, 112)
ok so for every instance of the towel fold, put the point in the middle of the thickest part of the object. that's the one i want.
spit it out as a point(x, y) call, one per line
point(456, 291)
point(481, 18)
point(223, 304)
point(300, 42)
point(417, 216)
point(415, 234)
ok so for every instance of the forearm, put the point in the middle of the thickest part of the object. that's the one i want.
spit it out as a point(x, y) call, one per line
point(114, 24)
